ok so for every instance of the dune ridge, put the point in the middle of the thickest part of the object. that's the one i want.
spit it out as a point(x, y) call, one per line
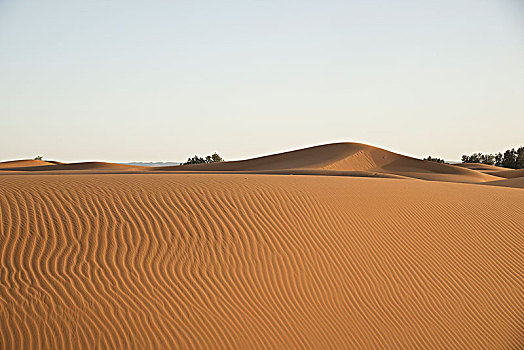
point(346, 156)
point(242, 261)
point(23, 163)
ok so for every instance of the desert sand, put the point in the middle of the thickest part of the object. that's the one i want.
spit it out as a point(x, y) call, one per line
point(342, 246)
point(23, 163)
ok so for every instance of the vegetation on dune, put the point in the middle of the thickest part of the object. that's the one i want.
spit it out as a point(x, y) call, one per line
point(38, 158)
point(489, 159)
point(511, 158)
point(431, 159)
point(214, 158)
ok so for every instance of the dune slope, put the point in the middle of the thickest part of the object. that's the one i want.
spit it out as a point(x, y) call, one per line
point(515, 182)
point(346, 156)
point(26, 163)
point(254, 261)
point(481, 167)
point(509, 174)
point(81, 166)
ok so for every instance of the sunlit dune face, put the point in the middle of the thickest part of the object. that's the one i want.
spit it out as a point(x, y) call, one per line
point(264, 261)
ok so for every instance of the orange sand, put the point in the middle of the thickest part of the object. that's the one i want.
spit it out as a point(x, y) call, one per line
point(220, 260)
point(23, 163)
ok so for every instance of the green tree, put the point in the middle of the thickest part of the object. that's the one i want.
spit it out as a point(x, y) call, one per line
point(38, 158)
point(214, 158)
point(520, 158)
point(488, 159)
point(498, 159)
point(431, 159)
point(195, 160)
point(510, 159)
point(474, 158)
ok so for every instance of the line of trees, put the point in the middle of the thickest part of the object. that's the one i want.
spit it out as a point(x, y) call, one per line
point(511, 158)
point(214, 158)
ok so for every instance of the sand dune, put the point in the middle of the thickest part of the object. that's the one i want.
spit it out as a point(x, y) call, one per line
point(338, 159)
point(23, 163)
point(346, 157)
point(482, 167)
point(347, 248)
point(502, 172)
point(509, 174)
point(516, 182)
point(256, 261)
point(77, 166)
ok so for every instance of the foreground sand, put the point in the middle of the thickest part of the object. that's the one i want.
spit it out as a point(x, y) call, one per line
point(259, 261)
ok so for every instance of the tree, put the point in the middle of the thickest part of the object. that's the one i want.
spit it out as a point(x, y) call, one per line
point(214, 158)
point(431, 159)
point(38, 158)
point(487, 159)
point(195, 160)
point(498, 159)
point(474, 158)
point(520, 158)
point(510, 159)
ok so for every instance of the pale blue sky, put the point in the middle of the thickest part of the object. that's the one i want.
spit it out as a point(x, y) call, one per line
point(162, 80)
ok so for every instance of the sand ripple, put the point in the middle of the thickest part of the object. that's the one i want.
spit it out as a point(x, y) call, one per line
point(254, 261)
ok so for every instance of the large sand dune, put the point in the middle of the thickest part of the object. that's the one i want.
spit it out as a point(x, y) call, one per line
point(346, 156)
point(372, 258)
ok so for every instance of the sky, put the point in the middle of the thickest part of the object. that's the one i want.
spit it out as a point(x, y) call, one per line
point(164, 80)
